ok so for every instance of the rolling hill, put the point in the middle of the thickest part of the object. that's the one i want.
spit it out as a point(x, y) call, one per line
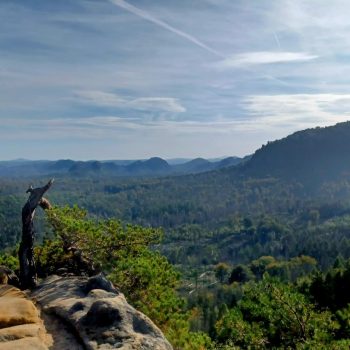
point(153, 167)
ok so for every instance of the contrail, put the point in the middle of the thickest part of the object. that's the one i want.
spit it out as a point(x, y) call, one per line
point(143, 14)
point(277, 40)
point(147, 16)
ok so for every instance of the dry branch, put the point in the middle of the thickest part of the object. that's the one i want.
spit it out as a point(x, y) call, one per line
point(26, 250)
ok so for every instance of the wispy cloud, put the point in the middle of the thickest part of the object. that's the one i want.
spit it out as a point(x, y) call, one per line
point(101, 127)
point(263, 57)
point(263, 113)
point(299, 110)
point(142, 74)
point(113, 137)
point(277, 40)
point(167, 104)
point(227, 61)
point(107, 99)
point(149, 17)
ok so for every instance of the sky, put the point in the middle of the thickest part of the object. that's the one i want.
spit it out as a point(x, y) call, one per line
point(115, 79)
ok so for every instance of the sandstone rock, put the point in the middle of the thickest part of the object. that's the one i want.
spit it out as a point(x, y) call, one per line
point(7, 276)
point(10, 291)
point(3, 277)
point(20, 323)
point(98, 314)
point(19, 332)
point(29, 343)
point(79, 313)
point(15, 311)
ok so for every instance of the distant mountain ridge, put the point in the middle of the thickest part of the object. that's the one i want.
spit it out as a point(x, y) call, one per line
point(309, 156)
point(154, 166)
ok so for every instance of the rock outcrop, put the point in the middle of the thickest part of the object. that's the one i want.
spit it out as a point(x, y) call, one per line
point(8, 276)
point(74, 313)
point(20, 323)
point(97, 314)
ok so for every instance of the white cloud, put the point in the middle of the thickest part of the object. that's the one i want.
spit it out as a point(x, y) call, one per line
point(100, 98)
point(263, 57)
point(262, 113)
point(157, 103)
point(298, 110)
point(101, 127)
point(106, 99)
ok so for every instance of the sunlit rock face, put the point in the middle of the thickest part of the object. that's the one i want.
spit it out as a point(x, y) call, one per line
point(20, 324)
point(74, 313)
point(98, 314)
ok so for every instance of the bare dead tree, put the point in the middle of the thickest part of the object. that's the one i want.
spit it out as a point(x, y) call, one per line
point(26, 249)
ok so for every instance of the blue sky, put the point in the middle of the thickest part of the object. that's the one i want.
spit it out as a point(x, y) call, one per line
point(114, 79)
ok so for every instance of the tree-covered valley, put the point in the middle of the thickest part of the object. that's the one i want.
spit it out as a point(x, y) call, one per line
point(262, 247)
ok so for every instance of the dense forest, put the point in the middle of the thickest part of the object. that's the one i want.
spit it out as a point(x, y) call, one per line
point(262, 247)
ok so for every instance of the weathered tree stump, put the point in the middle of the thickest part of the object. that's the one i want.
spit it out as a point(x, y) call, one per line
point(26, 249)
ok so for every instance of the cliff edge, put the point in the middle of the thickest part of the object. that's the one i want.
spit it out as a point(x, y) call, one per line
point(74, 313)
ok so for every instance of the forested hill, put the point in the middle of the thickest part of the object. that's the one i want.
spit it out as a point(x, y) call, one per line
point(260, 216)
point(310, 156)
point(276, 181)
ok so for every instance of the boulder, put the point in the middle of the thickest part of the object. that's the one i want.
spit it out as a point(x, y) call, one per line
point(8, 276)
point(98, 314)
point(20, 323)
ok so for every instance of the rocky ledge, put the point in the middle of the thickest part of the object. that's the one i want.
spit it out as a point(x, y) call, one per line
point(20, 324)
point(74, 313)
